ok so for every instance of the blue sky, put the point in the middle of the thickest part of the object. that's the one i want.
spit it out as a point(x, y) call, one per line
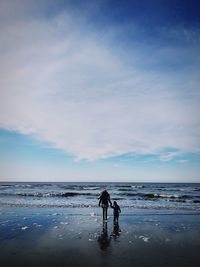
point(100, 90)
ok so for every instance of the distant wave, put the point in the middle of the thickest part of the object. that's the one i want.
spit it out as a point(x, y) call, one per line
point(196, 189)
point(138, 186)
point(125, 193)
point(91, 187)
point(196, 201)
point(125, 189)
point(168, 196)
point(21, 185)
point(48, 194)
point(123, 186)
point(157, 196)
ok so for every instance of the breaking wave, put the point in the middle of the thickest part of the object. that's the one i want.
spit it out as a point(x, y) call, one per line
point(47, 194)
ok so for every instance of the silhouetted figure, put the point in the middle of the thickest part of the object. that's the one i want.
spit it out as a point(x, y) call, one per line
point(116, 211)
point(104, 201)
point(104, 239)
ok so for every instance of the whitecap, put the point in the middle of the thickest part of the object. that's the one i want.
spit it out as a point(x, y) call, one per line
point(24, 228)
point(144, 238)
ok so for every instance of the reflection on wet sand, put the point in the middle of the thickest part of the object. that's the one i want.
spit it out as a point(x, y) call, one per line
point(116, 231)
point(104, 239)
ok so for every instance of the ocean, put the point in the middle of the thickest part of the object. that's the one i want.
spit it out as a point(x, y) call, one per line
point(174, 197)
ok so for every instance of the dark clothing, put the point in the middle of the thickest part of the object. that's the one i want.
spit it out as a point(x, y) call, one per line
point(104, 201)
point(116, 211)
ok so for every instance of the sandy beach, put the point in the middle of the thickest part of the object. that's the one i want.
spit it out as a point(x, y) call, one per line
point(78, 237)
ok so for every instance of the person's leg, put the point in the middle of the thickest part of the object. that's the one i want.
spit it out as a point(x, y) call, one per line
point(117, 218)
point(103, 213)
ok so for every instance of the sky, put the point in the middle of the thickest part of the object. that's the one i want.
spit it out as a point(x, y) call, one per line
point(100, 90)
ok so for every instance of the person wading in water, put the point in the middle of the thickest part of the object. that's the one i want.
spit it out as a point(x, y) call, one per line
point(104, 201)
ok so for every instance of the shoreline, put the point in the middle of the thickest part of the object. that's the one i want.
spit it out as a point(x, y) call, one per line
point(86, 210)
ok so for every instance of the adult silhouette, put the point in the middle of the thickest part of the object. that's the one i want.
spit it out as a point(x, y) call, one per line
point(104, 201)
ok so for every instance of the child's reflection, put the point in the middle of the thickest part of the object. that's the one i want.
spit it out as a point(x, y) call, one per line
point(116, 231)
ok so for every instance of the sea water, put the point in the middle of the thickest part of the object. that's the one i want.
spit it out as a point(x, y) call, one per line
point(160, 197)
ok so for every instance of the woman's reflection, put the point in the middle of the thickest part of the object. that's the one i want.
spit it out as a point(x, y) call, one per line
point(104, 239)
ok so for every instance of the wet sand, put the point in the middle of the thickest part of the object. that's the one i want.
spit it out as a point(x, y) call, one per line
point(78, 237)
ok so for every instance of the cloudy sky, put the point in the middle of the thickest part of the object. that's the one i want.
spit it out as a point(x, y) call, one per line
point(100, 90)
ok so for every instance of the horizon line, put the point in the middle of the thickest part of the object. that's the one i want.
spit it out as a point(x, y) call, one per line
point(101, 182)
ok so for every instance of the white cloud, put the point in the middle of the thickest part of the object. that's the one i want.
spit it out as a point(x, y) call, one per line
point(67, 86)
point(168, 156)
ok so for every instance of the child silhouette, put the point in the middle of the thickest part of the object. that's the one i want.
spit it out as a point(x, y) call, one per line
point(116, 211)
